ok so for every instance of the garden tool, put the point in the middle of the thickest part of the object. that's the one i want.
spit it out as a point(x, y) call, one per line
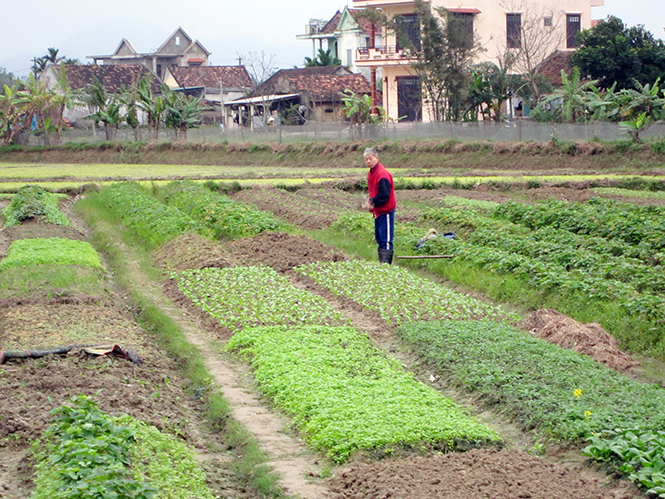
point(431, 234)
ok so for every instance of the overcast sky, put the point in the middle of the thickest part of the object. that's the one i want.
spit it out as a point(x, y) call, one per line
point(79, 28)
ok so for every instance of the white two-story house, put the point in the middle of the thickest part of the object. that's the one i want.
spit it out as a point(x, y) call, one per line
point(498, 26)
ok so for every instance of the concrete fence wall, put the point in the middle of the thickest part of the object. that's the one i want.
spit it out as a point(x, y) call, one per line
point(472, 132)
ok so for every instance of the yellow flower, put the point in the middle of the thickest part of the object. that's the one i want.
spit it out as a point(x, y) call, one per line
point(577, 393)
point(587, 414)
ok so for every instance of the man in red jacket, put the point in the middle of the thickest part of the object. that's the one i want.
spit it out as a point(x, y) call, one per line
point(381, 204)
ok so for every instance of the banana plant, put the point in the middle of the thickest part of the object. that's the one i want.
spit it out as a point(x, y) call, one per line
point(636, 126)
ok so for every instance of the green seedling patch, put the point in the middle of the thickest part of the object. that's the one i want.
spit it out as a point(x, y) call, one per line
point(346, 395)
point(51, 251)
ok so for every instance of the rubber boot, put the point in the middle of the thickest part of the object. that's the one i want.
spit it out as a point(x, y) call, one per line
point(385, 256)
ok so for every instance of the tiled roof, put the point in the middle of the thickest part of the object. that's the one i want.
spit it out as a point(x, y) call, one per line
point(551, 67)
point(320, 83)
point(331, 25)
point(210, 76)
point(112, 77)
point(364, 23)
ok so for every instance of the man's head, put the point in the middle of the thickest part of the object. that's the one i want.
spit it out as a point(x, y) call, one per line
point(371, 157)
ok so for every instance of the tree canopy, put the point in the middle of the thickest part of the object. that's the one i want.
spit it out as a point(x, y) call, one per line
point(611, 52)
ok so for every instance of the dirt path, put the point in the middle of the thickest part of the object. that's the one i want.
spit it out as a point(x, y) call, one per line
point(288, 456)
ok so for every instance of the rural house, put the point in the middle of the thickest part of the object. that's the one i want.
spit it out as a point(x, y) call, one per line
point(215, 84)
point(497, 25)
point(178, 50)
point(302, 94)
point(344, 34)
point(80, 77)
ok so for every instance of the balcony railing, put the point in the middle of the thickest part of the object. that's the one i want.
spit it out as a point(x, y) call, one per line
point(384, 54)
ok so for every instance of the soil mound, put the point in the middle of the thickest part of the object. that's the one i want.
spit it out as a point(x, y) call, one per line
point(32, 229)
point(281, 251)
point(477, 474)
point(587, 339)
point(190, 251)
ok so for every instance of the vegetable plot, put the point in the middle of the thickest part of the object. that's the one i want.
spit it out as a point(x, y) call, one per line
point(402, 296)
point(32, 201)
point(88, 454)
point(154, 222)
point(51, 251)
point(556, 391)
point(224, 217)
point(253, 296)
point(345, 395)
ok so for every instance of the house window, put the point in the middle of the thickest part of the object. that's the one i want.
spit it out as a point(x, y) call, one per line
point(514, 30)
point(547, 21)
point(177, 40)
point(460, 29)
point(408, 31)
point(349, 57)
point(573, 26)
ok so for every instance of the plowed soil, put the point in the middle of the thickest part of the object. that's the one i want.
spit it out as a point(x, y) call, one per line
point(154, 393)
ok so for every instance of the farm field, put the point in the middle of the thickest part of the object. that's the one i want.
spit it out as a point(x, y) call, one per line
point(282, 361)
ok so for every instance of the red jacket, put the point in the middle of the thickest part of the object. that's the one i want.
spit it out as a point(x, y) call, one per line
point(381, 190)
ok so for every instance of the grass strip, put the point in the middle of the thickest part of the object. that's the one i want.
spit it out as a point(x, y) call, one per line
point(53, 282)
point(224, 217)
point(253, 296)
point(249, 461)
point(544, 387)
point(51, 251)
point(346, 395)
point(401, 296)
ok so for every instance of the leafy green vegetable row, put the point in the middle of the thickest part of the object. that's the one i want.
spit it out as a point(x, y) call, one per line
point(224, 217)
point(545, 387)
point(253, 296)
point(51, 251)
point(86, 454)
point(345, 395)
point(154, 222)
point(31, 201)
point(638, 454)
point(637, 225)
point(398, 295)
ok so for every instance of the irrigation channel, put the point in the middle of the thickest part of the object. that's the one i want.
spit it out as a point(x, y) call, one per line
point(278, 360)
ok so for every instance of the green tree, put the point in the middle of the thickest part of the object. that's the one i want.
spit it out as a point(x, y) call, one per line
point(108, 108)
point(323, 58)
point(611, 52)
point(358, 108)
point(490, 87)
point(6, 79)
point(152, 105)
point(10, 117)
point(64, 98)
point(444, 61)
point(573, 98)
point(35, 100)
point(182, 112)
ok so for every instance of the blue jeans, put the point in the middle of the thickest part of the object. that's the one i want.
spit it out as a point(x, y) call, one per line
point(384, 230)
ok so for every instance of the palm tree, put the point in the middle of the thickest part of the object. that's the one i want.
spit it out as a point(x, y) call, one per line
point(323, 58)
point(182, 113)
point(153, 106)
point(35, 100)
point(10, 118)
point(108, 108)
point(64, 98)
